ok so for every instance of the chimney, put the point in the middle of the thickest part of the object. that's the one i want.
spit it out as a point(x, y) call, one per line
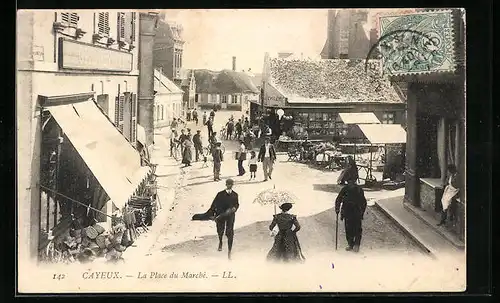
point(234, 63)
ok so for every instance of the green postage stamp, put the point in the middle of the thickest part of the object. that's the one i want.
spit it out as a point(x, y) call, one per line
point(417, 43)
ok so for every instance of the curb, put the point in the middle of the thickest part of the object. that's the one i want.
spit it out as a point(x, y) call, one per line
point(456, 243)
point(406, 230)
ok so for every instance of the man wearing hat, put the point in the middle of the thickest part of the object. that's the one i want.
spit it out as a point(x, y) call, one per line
point(223, 209)
point(267, 155)
point(351, 203)
point(198, 145)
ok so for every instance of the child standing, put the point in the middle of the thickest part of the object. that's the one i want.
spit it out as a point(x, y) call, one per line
point(252, 164)
point(217, 157)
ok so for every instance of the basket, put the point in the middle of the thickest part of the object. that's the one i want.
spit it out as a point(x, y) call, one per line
point(91, 232)
point(101, 241)
point(99, 228)
point(117, 238)
point(120, 247)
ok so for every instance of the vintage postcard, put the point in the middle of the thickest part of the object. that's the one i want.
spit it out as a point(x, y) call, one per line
point(241, 150)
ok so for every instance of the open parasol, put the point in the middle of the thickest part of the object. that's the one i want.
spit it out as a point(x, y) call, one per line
point(275, 197)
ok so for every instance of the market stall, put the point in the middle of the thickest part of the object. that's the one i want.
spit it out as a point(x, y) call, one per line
point(92, 178)
point(381, 136)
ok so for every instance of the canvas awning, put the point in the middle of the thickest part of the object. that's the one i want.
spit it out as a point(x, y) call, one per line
point(110, 157)
point(383, 133)
point(359, 118)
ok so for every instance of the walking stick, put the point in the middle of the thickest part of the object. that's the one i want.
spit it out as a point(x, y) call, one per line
point(336, 231)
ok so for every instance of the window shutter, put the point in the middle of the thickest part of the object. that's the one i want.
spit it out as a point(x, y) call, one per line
point(117, 111)
point(120, 114)
point(65, 17)
point(69, 19)
point(133, 27)
point(103, 24)
point(121, 27)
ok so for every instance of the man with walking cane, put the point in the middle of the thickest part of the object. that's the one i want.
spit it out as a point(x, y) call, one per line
point(351, 203)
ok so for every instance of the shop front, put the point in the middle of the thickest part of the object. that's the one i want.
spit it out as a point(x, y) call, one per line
point(89, 172)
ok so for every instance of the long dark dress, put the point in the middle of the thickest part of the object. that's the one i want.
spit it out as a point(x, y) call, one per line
point(187, 156)
point(286, 244)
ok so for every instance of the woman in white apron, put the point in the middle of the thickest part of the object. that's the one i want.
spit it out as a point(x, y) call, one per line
point(449, 193)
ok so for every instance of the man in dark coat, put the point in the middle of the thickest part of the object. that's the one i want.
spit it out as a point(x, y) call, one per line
point(267, 155)
point(210, 125)
point(351, 203)
point(183, 137)
point(198, 145)
point(224, 208)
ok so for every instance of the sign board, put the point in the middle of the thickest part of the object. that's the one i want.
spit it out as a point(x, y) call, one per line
point(83, 56)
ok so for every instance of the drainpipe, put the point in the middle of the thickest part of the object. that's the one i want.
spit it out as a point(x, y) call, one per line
point(147, 24)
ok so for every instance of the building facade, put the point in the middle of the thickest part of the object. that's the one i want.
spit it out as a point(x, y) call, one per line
point(168, 100)
point(226, 89)
point(436, 121)
point(188, 85)
point(314, 92)
point(68, 56)
point(347, 36)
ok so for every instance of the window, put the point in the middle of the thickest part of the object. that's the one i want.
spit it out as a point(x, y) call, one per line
point(223, 99)
point(234, 99)
point(103, 24)
point(388, 118)
point(162, 112)
point(69, 19)
point(157, 112)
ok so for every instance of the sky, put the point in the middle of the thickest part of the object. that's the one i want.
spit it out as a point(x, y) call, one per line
point(213, 37)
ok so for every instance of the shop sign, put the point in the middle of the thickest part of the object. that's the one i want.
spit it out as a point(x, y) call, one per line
point(83, 56)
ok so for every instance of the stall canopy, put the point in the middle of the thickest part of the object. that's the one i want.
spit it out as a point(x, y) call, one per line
point(110, 157)
point(359, 118)
point(383, 133)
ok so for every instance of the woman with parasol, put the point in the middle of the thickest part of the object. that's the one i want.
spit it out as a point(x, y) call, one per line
point(286, 246)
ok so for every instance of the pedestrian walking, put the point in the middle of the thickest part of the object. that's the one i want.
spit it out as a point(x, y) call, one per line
point(217, 157)
point(174, 141)
point(182, 138)
point(212, 113)
point(173, 125)
point(198, 145)
point(210, 125)
point(241, 157)
point(239, 129)
point(350, 171)
point(188, 115)
point(252, 164)
point(286, 246)
point(195, 116)
point(224, 209)
point(229, 129)
point(187, 154)
point(450, 192)
point(267, 155)
point(204, 118)
point(351, 203)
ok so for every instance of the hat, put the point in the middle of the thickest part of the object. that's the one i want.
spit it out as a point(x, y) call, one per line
point(218, 143)
point(198, 131)
point(286, 206)
point(229, 181)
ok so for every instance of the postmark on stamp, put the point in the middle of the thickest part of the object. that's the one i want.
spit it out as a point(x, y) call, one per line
point(417, 43)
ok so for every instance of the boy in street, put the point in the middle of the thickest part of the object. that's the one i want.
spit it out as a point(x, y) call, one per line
point(351, 203)
point(204, 118)
point(218, 158)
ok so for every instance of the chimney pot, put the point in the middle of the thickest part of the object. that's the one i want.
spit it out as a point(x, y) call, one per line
point(234, 63)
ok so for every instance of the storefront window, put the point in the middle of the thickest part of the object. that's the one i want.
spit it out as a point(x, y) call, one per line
point(388, 118)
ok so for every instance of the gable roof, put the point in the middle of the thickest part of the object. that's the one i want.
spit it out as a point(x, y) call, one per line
point(329, 81)
point(164, 85)
point(223, 82)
